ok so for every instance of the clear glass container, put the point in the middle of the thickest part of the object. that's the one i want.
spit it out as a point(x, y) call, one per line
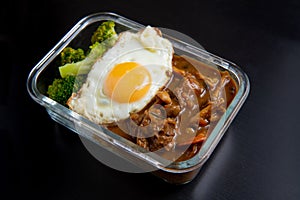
point(176, 172)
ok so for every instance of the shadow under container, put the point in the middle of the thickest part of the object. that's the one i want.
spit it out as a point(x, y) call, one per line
point(181, 172)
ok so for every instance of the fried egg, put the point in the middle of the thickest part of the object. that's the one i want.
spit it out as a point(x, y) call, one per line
point(126, 77)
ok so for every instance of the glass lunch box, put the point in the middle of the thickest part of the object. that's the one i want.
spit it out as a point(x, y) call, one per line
point(176, 172)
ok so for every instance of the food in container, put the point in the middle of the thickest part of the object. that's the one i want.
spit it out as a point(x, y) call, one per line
point(156, 101)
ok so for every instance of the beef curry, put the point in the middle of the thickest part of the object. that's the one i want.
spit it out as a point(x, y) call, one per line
point(182, 115)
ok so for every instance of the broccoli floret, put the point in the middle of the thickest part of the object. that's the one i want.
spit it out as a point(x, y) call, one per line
point(75, 65)
point(70, 55)
point(62, 88)
point(84, 66)
point(105, 31)
point(104, 37)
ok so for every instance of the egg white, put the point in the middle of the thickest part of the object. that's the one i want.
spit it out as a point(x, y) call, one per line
point(147, 48)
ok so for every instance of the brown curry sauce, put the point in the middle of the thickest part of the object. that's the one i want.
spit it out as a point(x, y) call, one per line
point(196, 96)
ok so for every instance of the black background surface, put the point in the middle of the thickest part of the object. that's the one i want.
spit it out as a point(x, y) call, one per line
point(259, 157)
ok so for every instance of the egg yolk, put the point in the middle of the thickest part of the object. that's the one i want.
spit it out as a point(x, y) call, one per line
point(127, 82)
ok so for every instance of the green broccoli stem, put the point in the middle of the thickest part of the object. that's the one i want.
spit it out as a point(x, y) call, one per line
point(103, 38)
point(84, 66)
point(76, 66)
